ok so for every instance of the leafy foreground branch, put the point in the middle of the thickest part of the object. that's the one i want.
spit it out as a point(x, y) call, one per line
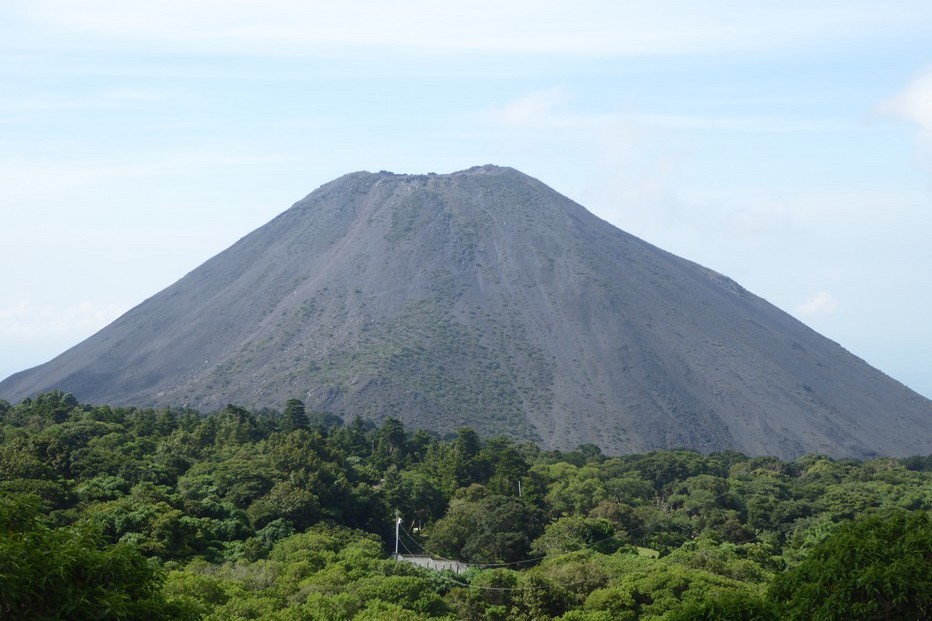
point(122, 513)
point(70, 573)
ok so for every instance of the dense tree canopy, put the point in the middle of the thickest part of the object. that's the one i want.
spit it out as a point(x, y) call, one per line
point(72, 573)
point(878, 567)
point(123, 513)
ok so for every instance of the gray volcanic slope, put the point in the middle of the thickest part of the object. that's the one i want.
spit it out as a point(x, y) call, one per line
point(484, 298)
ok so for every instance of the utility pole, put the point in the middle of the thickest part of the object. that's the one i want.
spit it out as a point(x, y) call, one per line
point(397, 532)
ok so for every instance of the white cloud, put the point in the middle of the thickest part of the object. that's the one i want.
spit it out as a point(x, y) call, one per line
point(27, 321)
point(821, 303)
point(25, 178)
point(914, 105)
point(32, 106)
point(543, 109)
point(597, 27)
point(549, 109)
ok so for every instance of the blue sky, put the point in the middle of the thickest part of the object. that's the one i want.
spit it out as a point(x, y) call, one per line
point(786, 144)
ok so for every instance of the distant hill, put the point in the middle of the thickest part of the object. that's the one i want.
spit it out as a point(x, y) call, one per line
point(485, 298)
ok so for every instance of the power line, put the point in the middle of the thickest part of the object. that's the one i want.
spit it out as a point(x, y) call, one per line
point(533, 560)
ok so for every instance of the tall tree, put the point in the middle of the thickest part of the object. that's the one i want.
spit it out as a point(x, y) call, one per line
point(294, 417)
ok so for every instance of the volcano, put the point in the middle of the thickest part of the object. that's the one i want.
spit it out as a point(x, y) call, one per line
point(483, 298)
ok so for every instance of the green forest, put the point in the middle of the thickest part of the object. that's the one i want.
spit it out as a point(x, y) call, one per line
point(134, 513)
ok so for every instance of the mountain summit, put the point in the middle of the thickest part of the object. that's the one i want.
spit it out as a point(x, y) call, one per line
point(484, 298)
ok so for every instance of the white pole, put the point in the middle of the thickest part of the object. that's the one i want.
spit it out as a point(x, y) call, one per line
point(397, 528)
